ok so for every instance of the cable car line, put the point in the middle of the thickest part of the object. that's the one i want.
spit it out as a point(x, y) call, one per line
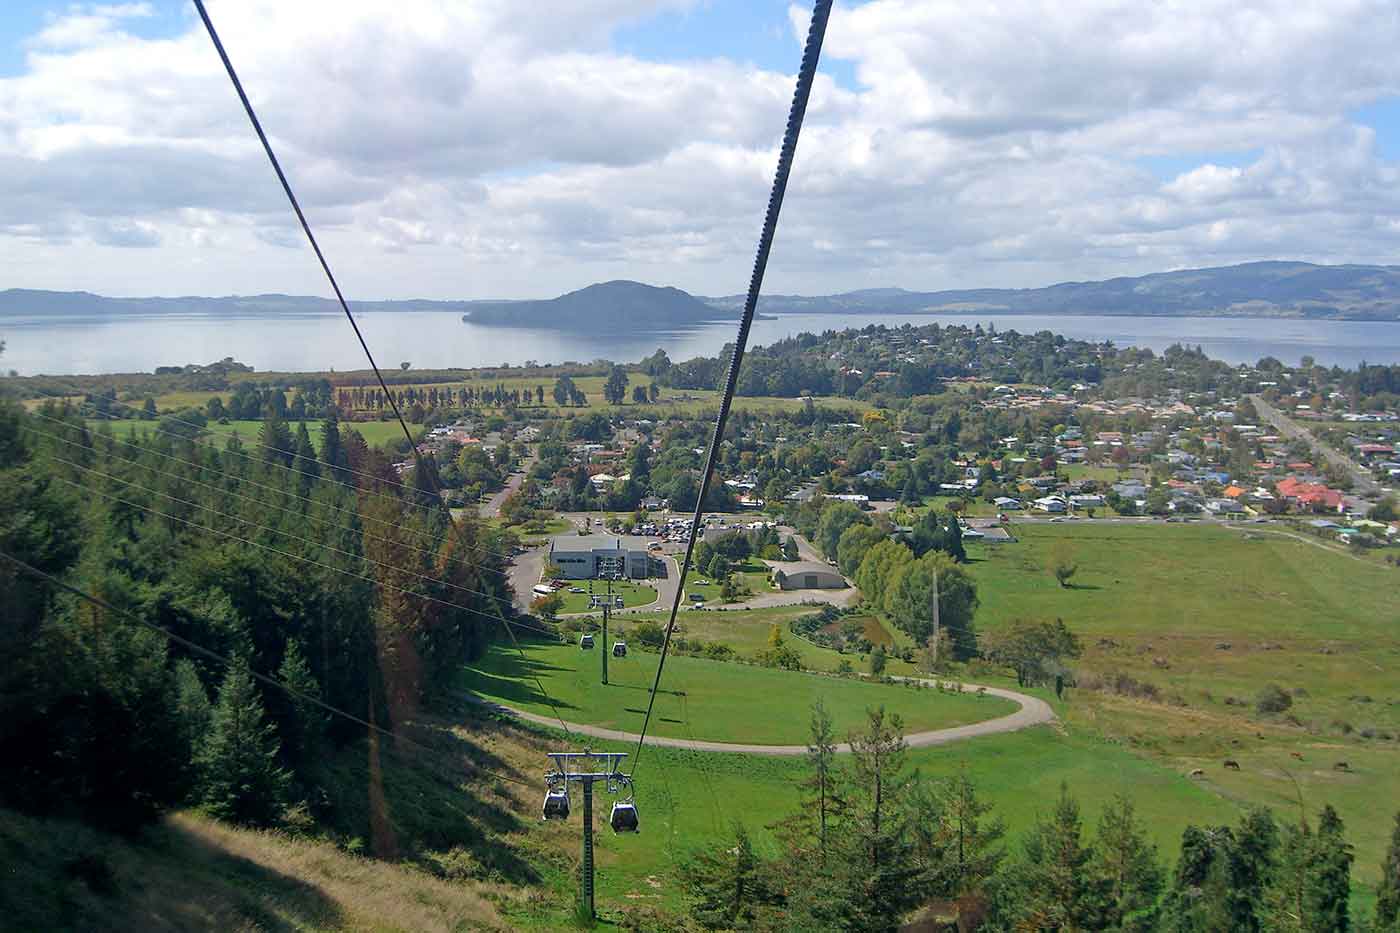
point(265, 678)
point(301, 217)
point(811, 54)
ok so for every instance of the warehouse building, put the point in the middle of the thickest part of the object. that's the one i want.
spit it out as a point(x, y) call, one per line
point(588, 557)
point(805, 575)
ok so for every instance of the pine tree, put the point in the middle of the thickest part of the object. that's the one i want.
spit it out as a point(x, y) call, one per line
point(241, 780)
point(305, 727)
point(968, 849)
point(332, 449)
point(729, 886)
point(1059, 890)
point(1388, 891)
point(276, 441)
point(1329, 876)
point(875, 872)
point(1128, 862)
point(305, 465)
point(821, 756)
point(191, 704)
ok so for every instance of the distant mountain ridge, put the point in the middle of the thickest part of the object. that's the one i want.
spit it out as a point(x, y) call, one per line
point(1256, 289)
point(619, 303)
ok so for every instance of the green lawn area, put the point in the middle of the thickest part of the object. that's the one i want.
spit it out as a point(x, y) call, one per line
point(633, 594)
point(752, 573)
point(375, 433)
point(704, 699)
point(1101, 474)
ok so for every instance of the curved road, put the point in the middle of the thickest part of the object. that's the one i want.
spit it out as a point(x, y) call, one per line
point(1033, 712)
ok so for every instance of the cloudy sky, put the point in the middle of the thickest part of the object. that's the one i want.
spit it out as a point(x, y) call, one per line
point(492, 148)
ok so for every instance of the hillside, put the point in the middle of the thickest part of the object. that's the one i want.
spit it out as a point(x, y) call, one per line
point(1256, 289)
point(191, 873)
point(630, 305)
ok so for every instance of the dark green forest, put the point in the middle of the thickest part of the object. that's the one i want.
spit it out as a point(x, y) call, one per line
point(319, 569)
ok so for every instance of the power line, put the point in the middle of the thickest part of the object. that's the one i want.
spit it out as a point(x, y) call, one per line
point(407, 501)
point(349, 573)
point(277, 531)
point(301, 217)
point(229, 492)
point(200, 649)
point(331, 467)
point(821, 12)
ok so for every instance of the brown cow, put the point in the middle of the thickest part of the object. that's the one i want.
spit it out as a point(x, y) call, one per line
point(1298, 755)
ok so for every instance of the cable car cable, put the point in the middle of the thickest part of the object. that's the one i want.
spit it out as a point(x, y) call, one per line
point(816, 32)
point(301, 217)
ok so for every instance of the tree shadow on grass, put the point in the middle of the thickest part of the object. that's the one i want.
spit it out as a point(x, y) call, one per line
point(231, 891)
point(511, 690)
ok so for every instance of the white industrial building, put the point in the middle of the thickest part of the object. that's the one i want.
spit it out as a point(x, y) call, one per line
point(587, 557)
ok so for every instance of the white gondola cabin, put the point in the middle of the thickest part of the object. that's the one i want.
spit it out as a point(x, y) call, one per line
point(624, 817)
point(556, 804)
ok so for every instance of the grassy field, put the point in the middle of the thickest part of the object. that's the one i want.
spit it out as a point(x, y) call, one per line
point(681, 401)
point(751, 573)
point(707, 699)
point(633, 594)
point(375, 433)
point(1206, 617)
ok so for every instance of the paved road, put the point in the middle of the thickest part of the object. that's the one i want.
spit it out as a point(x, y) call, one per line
point(1286, 426)
point(525, 573)
point(492, 507)
point(1033, 712)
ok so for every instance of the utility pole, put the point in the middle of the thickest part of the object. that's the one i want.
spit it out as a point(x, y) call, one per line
point(607, 609)
point(934, 646)
point(610, 774)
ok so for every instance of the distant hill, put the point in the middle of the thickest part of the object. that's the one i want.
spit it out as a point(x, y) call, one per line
point(618, 304)
point(28, 302)
point(1256, 289)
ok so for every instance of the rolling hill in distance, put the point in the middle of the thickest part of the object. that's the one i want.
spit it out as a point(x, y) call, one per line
point(1257, 289)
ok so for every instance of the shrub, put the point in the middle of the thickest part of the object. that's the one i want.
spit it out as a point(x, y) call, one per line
point(1272, 699)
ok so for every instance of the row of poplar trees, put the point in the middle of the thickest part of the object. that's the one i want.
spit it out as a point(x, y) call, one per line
point(314, 565)
point(875, 844)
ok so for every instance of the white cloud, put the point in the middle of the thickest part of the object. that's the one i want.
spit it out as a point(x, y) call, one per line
point(468, 150)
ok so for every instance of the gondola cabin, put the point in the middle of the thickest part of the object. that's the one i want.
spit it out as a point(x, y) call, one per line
point(556, 804)
point(585, 641)
point(620, 649)
point(624, 817)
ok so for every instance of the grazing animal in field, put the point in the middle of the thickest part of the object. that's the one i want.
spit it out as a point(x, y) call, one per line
point(1198, 772)
point(1298, 755)
point(1341, 766)
point(1231, 764)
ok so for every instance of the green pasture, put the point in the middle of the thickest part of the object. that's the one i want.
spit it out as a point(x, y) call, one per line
point(703, 699)
point(1210, 612)
point(375, 433)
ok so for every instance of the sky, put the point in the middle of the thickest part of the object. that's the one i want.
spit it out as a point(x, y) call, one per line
point(488, 148)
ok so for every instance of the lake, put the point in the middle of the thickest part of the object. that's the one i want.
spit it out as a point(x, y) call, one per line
point(433, 339)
